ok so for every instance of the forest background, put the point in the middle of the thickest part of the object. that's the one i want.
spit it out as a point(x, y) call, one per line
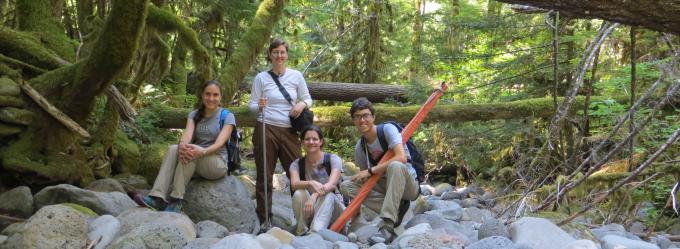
point(126, 72)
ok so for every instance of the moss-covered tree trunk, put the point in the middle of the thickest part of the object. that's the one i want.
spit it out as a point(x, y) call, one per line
point(48, 152)
point(250, 46)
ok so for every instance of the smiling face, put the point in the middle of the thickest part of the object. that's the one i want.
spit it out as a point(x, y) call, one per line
point(363, 120)
point(212, 96)
point(278, 55)
point(312, 142)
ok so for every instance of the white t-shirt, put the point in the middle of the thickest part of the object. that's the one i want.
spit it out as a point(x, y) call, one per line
point(278, 108)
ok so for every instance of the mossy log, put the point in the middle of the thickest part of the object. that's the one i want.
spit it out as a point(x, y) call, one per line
point(339, 115)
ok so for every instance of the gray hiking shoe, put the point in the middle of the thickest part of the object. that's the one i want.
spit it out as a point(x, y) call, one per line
point(385, 234)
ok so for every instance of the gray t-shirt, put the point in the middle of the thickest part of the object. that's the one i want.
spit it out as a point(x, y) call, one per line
point(393, 138)
point(207, 130)
point(317, 172)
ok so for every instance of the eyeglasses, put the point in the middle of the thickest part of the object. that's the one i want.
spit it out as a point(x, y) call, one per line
point(278, 53)
point(365, 116)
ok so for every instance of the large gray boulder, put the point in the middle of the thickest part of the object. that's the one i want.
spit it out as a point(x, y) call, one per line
point(106, 185)
point(56, 226)
point(581, 244)
point(201, 243)
point(113, 203)
point(152, 236)
point(238, 241)
point(619, 242)
point(17, 202)
point(211, 229)
point(268, 241)
point(538, 233)
point(225, 201)
point(613, 229)
point(493, 227)
point(136, 217)
point(309, 241)
point(105, 227)
point(437, 222)
point(493, 242)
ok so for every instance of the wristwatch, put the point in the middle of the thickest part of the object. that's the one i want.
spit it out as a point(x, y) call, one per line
point(370, 171)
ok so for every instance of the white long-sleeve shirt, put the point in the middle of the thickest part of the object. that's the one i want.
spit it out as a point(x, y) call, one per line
point(278, 108)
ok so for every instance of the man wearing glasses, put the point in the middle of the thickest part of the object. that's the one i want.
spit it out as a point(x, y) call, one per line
point(391, 195)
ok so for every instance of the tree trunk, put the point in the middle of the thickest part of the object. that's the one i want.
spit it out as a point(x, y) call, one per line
point(333, 116)
point(46, 152)
point(250, 46)
point(373, 42)
point(659, 15)
point(416, 40)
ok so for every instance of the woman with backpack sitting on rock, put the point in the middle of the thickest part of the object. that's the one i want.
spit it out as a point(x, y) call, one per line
point(201, 149)
point(315, 178)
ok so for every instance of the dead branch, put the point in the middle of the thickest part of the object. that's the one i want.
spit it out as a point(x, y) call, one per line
point(612, 152)
point(53, 111)
point(123, 107)
point(618, 125)
point(10, 218)
point(632, 176)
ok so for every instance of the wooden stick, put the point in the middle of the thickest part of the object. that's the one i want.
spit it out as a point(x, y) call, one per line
point(10, 218)
point(94, 243)
point(52, 110)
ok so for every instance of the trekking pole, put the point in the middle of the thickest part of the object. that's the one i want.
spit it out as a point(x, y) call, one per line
point(406, 133)
point(266, 172)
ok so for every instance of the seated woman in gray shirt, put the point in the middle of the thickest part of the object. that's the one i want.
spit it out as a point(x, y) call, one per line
point(201, 149)
point(315, 178)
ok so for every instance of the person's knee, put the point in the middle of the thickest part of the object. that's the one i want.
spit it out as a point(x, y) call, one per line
point(396, 166)
point(347, 188)
point(300, 195)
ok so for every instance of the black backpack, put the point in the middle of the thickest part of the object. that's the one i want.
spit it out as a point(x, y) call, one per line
point(416, 160)
point(234, 160)
point(326, 164)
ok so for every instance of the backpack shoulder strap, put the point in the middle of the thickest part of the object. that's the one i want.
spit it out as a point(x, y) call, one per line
point(381, 136)
point(327, 162)
point(301, 168)
point(223, 115)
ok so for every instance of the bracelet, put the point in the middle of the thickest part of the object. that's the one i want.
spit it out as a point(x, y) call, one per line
point(370, 171)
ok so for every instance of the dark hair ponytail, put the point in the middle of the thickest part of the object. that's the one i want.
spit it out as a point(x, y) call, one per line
point(200, 113)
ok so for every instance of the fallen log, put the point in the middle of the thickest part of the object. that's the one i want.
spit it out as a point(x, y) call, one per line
point(332, 116)
point(337, 91)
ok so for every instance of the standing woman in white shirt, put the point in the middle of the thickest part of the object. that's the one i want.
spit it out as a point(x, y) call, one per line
point(281, 141)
